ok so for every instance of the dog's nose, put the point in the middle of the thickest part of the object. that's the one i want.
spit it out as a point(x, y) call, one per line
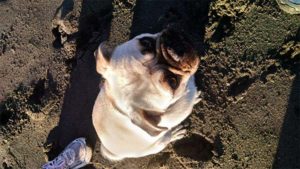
point(178, 50)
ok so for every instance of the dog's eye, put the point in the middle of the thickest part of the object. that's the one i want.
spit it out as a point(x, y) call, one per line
point(148, 45)
point(172, 80)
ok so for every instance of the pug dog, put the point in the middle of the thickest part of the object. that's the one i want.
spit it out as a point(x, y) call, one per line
point(149, 89)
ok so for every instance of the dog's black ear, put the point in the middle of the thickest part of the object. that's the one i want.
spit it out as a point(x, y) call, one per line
point(103, 55)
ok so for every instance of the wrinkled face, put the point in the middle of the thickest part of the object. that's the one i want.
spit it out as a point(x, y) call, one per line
point(151, 71)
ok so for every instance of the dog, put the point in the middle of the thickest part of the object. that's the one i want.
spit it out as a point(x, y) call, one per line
point(149, 89)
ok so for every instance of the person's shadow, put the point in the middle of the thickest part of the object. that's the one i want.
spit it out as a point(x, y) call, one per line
point(76, 115)
point(148, 17)
point(288, 150)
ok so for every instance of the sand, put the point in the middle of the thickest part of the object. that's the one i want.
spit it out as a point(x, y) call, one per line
point(249, 77)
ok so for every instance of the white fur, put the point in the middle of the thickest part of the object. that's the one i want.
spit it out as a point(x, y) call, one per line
point(129, 83)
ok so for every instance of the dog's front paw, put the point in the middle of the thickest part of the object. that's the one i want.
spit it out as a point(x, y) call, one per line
point(178, 133)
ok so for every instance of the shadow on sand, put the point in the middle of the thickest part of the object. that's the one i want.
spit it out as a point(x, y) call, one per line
point(76, 115)
point(288, 150)
point(149, 16)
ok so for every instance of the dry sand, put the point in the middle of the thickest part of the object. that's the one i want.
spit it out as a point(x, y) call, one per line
point(249, 74)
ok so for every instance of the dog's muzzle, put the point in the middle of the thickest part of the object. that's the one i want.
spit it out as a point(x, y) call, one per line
point(176, 49)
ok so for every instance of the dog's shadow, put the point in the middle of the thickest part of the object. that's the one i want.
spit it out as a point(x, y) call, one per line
point(148, 17)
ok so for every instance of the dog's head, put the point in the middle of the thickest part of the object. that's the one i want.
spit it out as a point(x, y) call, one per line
point(151, 71)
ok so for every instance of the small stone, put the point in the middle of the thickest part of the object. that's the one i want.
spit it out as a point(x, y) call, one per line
point(12, 51)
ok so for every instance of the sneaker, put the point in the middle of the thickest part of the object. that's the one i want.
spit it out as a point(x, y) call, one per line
point(76, 155)
point(289, 6)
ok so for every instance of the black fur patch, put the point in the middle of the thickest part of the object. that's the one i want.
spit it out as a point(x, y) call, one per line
point(148, 45)
point(177, 40)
